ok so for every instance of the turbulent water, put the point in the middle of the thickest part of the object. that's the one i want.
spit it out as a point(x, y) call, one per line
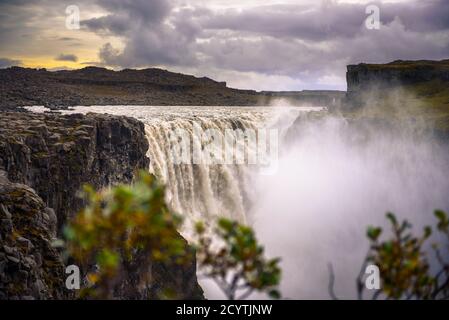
point(201, 191)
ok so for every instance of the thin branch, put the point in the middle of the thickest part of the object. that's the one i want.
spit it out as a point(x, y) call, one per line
point(332, 282)
point(246, 294)
point(376, 294)
point(359, 282)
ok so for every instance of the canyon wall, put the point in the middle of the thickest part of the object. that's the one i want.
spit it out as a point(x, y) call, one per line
point(44, 161)
point(378, 79)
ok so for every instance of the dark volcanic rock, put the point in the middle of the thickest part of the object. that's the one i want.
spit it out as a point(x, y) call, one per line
point(56, 154)
point(29, 266)
point(376, 78)
point(100, 86)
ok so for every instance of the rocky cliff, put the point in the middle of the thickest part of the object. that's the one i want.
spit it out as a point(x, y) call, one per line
point(55, 155)
point(44, 161)
point(380, 78)
point(30, 268)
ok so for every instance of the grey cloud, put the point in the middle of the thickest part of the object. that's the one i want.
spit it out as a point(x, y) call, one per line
point(305, 22)
point(126, 14)
point(150, 11)
point(335, 20)
point(5, 62)
point(422, 16)
point(149, 38)
point(116, 24)
point(304, 43)
point(67, 57)
point(67, 39)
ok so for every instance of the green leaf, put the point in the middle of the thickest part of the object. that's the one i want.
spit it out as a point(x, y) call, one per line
point(441, 215)
point(274, 294)
point(427, 232)
point(443, 222)
point(225, 224)
point(392, 218)
point(199, 227)
point(374, 233)
point(108, 259)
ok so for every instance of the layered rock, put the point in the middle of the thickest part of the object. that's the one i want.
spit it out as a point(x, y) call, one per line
point(56, 154)
point(363, 79)
point(30, 268)
point(44, 161)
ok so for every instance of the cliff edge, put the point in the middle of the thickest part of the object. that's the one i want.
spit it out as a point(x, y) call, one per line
point(44, 161)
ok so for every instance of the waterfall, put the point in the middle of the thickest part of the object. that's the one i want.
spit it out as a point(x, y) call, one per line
point(201, 191)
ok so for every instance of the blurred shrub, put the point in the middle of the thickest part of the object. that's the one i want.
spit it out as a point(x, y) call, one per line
point(231, 256)
point(125, 229)
point(403, 262)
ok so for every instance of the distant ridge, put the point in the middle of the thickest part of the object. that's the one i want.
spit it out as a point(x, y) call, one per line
point(100, 86)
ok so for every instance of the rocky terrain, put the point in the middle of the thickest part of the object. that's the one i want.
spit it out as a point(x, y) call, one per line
point(100, 86)
point(30, 268)
point(56, 154)
point(407, 75)
point(44, 161)
point(406, 92)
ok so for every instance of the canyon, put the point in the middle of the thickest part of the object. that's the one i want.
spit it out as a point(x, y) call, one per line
point(46, 157)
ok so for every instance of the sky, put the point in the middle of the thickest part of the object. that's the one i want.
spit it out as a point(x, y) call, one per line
point(250, 44)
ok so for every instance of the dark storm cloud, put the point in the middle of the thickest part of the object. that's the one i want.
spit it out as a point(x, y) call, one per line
point(149, 39)
point(149, 11)
point(125, 14)
point(66, 57)
point(294, 40)
point(309, 40)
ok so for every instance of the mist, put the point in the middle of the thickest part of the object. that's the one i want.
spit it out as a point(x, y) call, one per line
point(335, 179)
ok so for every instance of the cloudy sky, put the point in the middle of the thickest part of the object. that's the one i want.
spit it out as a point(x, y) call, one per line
point(263, 45)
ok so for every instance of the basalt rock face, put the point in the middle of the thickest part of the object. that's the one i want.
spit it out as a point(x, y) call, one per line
point(30, 268)
point(363, 79)
point(44, 161)
point(56, 154)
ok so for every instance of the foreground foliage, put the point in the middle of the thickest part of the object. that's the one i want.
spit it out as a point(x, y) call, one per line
point(406, 269)
point(404, 262)
point(236, 261)
point(124, 230)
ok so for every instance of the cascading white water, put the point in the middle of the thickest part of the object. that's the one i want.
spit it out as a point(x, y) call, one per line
point(201, 191)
